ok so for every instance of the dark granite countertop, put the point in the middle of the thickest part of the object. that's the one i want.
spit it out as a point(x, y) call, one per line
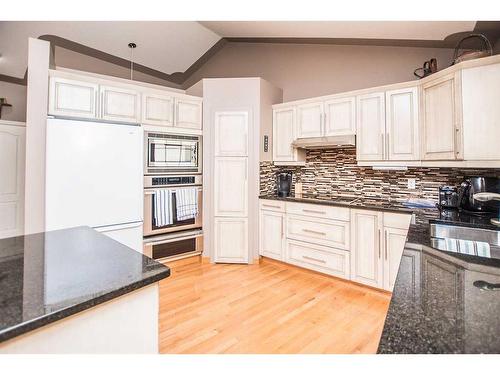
point(350, 202)
point(435, 306)
point(46, 277)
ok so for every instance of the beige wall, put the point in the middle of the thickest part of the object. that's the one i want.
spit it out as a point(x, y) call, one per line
point(16, 95)
point(307, 70)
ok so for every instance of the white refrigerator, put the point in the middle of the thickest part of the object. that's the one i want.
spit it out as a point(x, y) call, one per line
point(94, 177)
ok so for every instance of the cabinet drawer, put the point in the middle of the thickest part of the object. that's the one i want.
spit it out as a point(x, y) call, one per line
point(331, 261)
point(317, 210)
point(325, 232)
point(398, 221)
point(272, 205)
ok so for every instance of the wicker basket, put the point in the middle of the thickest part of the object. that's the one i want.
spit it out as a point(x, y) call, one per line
point(462, 54)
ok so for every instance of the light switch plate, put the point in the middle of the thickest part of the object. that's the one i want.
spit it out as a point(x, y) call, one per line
point(412, 183)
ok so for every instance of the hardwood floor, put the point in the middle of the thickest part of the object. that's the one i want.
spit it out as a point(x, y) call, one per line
point(269, 307)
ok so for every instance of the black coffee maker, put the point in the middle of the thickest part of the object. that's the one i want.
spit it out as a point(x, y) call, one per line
point(284, 180)
point(477, 184)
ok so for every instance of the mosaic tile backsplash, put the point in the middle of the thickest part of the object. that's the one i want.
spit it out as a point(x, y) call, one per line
point(331, 173)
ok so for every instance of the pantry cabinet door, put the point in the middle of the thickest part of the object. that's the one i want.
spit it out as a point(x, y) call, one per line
point(231, 133)
point(272, 234)
point(73, 98)
point(231, 186)
point(188, 113)
point(394, 244)
point(157, 109)
point(340, 116)
point(120, 104)
point(370, 127)
point(310, 120)
point(441, 110)
point(366, 253)
point(284, 134)
point(402, 124)
point(231, 240)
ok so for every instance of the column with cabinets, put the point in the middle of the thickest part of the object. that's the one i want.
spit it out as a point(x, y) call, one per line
point(231, 187)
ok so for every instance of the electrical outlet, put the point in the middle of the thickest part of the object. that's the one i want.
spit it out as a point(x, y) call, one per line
point(412, 183)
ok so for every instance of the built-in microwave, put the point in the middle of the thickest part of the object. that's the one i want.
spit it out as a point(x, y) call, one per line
point(167, 153)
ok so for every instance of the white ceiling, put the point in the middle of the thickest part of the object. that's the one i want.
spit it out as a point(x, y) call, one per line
point(419, 30)
point(171, 46)
point(165, 46)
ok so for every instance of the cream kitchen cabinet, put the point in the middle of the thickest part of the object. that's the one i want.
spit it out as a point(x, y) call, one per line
point(394, 243)
point(442, 120)
point(73, 98)
point(119, 104)
point(370, 126)
point(387, 125)
point(272, 234)
point(310, 120)
point(188, 113)
point(231, 239)
point(367, 266)
point(231, 186)
point(340, 116)
point(157, 109)
point(481, 112)
point(402, 124)
point(284, 131)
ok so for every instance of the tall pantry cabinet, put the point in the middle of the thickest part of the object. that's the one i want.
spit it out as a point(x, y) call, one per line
point(237, 135)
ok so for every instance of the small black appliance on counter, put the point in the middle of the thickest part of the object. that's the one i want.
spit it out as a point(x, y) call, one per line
point(476, 184)
point(448, 197)
point(284, 184)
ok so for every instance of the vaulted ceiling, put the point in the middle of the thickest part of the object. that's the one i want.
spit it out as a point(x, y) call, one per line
point(167, 47)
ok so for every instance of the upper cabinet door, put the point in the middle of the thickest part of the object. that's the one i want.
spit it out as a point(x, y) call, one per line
point(402, 124)
point(72, 98)
point(481, 112)
point(366, 253)
point(284, 134)
point(441, 110)
point(340, 116)
point(157, 109)
point(119, 104)
point(310, 120)
point(231, 133)
point(370, 126)
point(188, 113)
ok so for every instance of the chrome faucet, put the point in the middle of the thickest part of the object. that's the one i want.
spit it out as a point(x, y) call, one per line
point(485, 197)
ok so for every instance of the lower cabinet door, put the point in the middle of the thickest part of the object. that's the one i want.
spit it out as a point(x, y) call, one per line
point(366, 252)
point(231, 240)
point(271, 234)
point(318, 258)
point(394, 244)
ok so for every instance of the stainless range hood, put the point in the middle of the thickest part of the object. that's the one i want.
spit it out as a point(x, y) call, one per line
point(338, 141)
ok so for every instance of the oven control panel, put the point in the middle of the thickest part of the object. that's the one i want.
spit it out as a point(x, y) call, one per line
point(158, 181)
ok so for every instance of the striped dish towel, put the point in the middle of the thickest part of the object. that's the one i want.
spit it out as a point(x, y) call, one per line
point(163, 207)
point(187, 203)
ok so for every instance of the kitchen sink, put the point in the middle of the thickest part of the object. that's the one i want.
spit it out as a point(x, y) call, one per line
point(466, 240)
